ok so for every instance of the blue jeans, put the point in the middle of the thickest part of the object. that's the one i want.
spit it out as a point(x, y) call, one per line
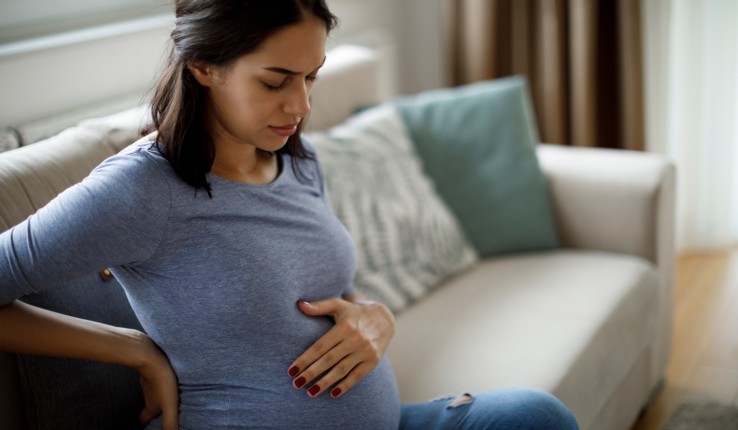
point(502, 409)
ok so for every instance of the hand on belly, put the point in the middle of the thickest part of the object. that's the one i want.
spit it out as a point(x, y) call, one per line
point(348, 351)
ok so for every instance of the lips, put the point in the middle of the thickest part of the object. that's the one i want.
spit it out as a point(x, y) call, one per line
point(284, 130)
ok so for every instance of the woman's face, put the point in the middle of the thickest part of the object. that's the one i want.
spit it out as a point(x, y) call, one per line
point(260, 99)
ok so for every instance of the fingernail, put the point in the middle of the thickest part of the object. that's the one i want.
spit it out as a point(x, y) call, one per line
point(314, 390)
point(336, 392)
point(294, 371)
point(300, 382)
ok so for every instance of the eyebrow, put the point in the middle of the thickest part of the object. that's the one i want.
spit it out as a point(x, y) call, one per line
point(287, 71)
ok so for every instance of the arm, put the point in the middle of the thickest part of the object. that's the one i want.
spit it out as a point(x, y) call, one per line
point(109, 219)
point(349, 350)
point(116, 216)
point(30, 330)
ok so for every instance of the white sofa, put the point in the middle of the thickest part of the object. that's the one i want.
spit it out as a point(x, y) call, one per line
point(589, 322)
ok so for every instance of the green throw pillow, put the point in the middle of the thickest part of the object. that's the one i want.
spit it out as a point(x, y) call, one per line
point(477, 143)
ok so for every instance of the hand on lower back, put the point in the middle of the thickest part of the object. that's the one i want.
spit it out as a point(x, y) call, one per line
point(160, 390)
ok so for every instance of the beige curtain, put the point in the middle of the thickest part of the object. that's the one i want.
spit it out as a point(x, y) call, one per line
point(582, 59)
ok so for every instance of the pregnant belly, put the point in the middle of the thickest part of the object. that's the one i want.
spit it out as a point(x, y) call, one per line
point(373, 403)
point(237, 379)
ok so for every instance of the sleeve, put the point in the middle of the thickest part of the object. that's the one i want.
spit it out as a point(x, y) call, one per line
point(116, 216)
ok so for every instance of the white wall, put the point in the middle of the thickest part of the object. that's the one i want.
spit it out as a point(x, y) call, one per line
point(416, 26)
point(89, 69)
point(423, 40)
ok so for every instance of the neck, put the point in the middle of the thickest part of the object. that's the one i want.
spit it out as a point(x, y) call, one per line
point(235, 157)
point(242, 162)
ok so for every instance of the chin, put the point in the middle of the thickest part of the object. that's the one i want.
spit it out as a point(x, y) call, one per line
point(273, 145)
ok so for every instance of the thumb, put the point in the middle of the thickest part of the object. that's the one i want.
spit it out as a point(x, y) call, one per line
point(320, 308)
point(148, 414)
point(170, 420)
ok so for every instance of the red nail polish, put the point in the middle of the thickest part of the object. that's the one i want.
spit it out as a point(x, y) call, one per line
point(294, 371)
point(300, 382)
point(336, 392)
point(314, 390)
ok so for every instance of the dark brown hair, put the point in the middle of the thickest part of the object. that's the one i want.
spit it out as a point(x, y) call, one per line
point(215, 32)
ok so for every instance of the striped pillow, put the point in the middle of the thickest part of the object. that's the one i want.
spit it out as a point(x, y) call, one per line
point(407, 240)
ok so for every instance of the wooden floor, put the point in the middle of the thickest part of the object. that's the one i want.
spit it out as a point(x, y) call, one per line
point(704, 354)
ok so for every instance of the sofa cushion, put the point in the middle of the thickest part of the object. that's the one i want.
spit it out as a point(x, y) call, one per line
point(9, 139)
point(407, 239)
point(478, 142)
point(572, 323)
point(120, 129)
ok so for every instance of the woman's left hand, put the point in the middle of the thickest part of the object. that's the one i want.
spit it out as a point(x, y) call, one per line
point(349, 350)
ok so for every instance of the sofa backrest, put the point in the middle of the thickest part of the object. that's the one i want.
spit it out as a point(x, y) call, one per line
point(352, 77)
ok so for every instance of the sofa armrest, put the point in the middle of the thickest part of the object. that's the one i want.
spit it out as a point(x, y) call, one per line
point(618, 201)
point(611, 200)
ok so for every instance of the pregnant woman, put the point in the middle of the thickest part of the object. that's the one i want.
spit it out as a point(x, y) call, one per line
point(218, 227)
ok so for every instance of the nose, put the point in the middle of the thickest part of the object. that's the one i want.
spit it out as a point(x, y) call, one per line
point(299, 101)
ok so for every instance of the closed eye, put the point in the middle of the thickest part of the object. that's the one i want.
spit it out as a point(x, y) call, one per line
point(272, 88)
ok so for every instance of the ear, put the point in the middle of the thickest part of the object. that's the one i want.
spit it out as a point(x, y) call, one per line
point(203, 73)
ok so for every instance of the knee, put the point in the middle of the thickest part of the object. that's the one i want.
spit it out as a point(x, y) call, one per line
point(533, 409)
point(544, 411)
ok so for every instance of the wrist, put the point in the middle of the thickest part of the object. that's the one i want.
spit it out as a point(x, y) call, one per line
point(143, 352)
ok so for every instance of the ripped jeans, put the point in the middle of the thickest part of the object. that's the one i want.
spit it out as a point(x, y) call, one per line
point(508, 409)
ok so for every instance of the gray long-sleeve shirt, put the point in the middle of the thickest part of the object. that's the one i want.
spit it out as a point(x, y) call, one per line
point(214, 282)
